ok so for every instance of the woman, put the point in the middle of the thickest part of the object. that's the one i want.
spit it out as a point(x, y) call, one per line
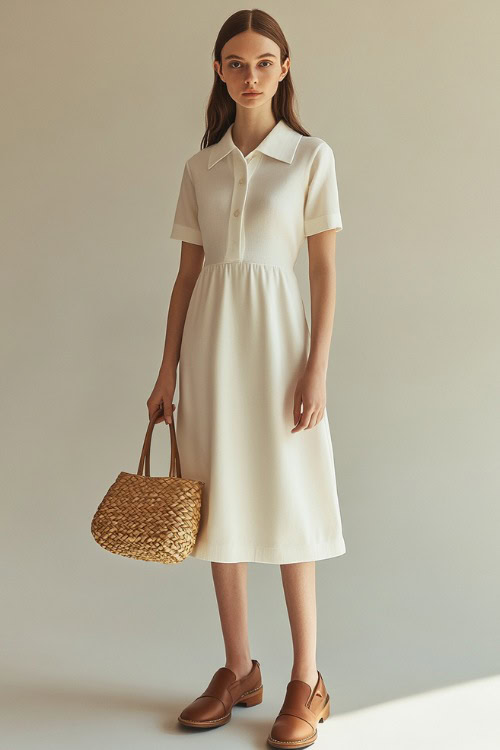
point(252, 421)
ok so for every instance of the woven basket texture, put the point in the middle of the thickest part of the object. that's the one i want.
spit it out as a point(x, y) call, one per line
point(150, 518)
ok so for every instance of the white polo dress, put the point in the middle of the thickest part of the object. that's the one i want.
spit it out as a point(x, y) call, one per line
point(270, 494)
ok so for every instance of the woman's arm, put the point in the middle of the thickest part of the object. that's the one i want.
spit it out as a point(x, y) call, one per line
point(311, 388)
point(322, 280)
point(191, 263)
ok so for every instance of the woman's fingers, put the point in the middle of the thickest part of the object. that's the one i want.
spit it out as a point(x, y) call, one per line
point(309, 418)
point(168, 412)
point(154, 404)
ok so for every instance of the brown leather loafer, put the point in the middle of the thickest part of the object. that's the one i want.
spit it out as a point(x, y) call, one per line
point(213, 707)
point(295, 725)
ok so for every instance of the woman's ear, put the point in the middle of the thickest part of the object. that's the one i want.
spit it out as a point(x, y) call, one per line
point(218, 69)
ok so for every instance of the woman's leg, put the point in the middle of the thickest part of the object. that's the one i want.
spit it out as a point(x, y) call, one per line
point(299, 586)
point(230, 580)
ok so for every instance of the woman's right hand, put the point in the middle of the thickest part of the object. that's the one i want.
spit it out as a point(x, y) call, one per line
point(162, 395)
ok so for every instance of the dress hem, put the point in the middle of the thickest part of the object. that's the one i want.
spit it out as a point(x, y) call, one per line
point(270, 555)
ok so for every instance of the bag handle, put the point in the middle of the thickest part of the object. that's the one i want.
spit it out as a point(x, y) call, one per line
point(175, 461)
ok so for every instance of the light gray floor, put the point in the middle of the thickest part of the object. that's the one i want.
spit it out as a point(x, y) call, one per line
point(49, 716)
point(98, 651)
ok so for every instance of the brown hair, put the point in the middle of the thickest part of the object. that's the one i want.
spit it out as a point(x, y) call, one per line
point(221, 108)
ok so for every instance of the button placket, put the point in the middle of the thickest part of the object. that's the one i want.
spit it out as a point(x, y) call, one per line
point(236, 240)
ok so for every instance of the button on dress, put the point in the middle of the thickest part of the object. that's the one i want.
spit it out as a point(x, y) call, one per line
point(270, 495)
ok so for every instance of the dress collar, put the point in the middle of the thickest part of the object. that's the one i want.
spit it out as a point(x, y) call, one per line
point(280, 143)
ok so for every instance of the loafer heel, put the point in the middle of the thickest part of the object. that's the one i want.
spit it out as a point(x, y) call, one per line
point(325, 713)
point(252, 698)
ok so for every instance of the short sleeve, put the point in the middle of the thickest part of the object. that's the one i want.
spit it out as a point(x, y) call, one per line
point(322, 209)
point(185, 226)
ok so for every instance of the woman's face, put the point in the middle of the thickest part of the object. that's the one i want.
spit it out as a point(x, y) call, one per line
point(251, 62)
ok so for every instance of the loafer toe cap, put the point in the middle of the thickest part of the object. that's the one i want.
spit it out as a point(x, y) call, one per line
point(288, 729)
point(204, 708)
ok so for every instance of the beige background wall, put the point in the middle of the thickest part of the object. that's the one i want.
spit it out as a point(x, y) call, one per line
point(101, 104)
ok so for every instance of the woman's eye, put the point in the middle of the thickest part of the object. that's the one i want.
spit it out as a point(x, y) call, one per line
point(235, 62)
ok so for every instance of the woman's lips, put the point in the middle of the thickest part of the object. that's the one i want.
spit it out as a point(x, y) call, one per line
point(252, 93)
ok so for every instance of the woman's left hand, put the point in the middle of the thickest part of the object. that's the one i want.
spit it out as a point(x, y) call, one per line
point(310, 393)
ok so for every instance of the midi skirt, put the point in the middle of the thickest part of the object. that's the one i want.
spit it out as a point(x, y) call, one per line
point(270, 495)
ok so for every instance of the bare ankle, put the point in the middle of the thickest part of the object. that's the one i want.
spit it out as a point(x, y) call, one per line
point(309, 675)
point(240, 668)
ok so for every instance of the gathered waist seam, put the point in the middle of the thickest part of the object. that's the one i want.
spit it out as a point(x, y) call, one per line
point(287, 269)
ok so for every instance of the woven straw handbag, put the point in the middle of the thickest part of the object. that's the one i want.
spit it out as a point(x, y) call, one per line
point(150, 518)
